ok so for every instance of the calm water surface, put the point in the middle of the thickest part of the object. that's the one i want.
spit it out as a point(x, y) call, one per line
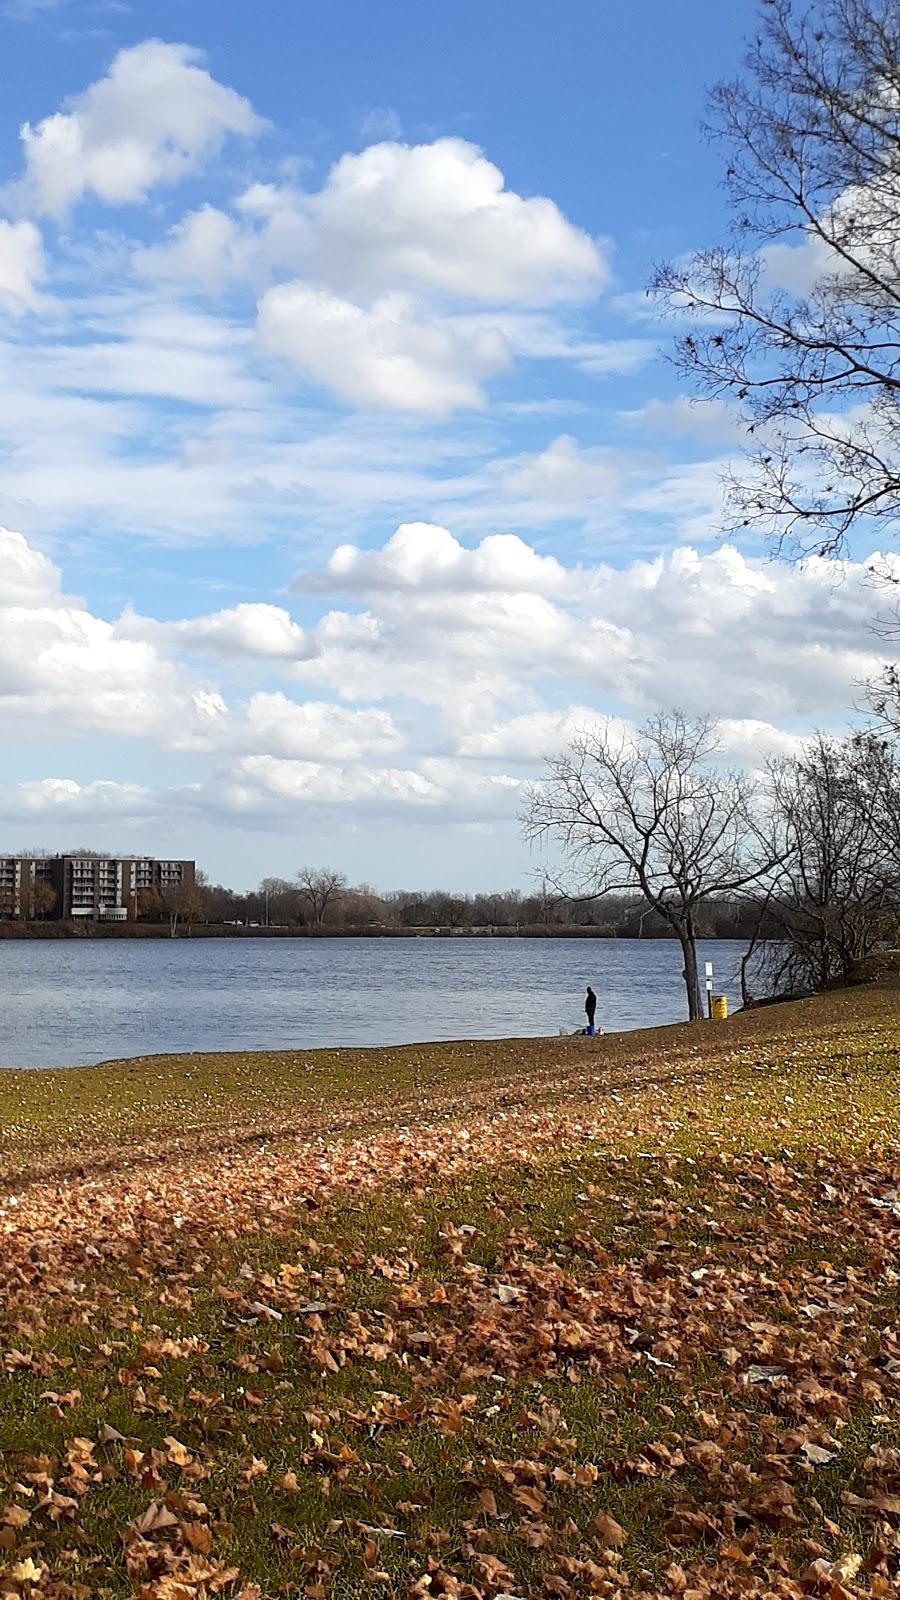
point(70, 1003)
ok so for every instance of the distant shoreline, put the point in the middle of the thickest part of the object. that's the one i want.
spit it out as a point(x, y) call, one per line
point(111, 930)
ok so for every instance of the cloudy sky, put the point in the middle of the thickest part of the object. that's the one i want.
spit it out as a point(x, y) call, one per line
point(343, 472)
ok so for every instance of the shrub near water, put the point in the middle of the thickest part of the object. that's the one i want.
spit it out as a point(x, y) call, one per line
point(587, 1335)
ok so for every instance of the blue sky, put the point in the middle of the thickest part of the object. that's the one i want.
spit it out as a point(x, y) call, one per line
point(343, 472)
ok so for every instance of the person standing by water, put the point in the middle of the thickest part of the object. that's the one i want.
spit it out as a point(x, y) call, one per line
point(590, 1006)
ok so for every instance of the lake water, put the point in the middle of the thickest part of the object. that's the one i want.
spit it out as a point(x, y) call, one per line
point(74, 1002)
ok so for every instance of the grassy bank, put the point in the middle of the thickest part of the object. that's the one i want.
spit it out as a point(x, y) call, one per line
point(549, 1317)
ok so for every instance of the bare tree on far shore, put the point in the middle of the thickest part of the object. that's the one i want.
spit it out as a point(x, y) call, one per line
point(278, 900)
point(795, 320)
point(650, 813)
point(317, 888)
point(36, 899)
point(185, 904)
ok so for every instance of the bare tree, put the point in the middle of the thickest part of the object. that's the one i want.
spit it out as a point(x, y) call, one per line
point(362, 907)
point(317, 888)
point(279, 900)
point(194, 902)
point(835, 894)
point(811, 135)
point(879, 761)
point(44, 898)
point(648, 814)
point(186, 904)
point(36, 898)
point(172, 904)
point(148, 905)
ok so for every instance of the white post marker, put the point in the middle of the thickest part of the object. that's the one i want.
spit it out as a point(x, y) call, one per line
point(709, 984)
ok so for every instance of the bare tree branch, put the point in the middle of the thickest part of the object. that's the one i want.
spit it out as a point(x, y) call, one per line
point(811, 137)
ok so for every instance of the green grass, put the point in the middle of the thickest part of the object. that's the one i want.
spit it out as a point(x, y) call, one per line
point(550, 1273)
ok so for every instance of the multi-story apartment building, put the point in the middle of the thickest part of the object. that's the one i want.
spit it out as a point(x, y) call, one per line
point(93, 887)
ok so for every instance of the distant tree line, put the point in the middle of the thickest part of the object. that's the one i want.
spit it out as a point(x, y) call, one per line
point(324, 901)
point(33, 901)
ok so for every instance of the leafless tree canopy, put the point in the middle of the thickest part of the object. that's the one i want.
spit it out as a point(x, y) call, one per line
point(651, 814)
point(811, 134)
point(317, 887)
point(834, 895)
point(184, 904)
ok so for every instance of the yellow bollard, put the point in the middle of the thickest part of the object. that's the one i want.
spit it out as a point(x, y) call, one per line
point(718, 1007)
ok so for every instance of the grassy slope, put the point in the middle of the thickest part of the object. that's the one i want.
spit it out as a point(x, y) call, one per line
point(537, 1317)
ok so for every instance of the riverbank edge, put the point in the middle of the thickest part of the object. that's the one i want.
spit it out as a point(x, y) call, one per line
point(873, 989)
point(496, 1269)
point(222, 930)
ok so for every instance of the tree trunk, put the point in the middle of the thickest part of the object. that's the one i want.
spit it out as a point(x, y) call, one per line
point(746, 958)
point(691, 975)
point(749, 953)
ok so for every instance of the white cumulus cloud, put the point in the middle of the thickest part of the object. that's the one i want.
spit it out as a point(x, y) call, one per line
point(437, 791)
point(27, 578)
point(440, 694)
point(566, 475)
point(269, 782)
point(391, 286)
point(60, 661)
point(425, 557)
point(311, 730)
point(251, 629)
point(527, 738)
point(440, 215)
point(430, 218)
point(21, 265)
point(155, 118)
point(385, 354)
point(712, 631)
point(48, 798)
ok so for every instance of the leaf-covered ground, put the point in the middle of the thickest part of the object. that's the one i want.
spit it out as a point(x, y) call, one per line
point(561, 1317)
